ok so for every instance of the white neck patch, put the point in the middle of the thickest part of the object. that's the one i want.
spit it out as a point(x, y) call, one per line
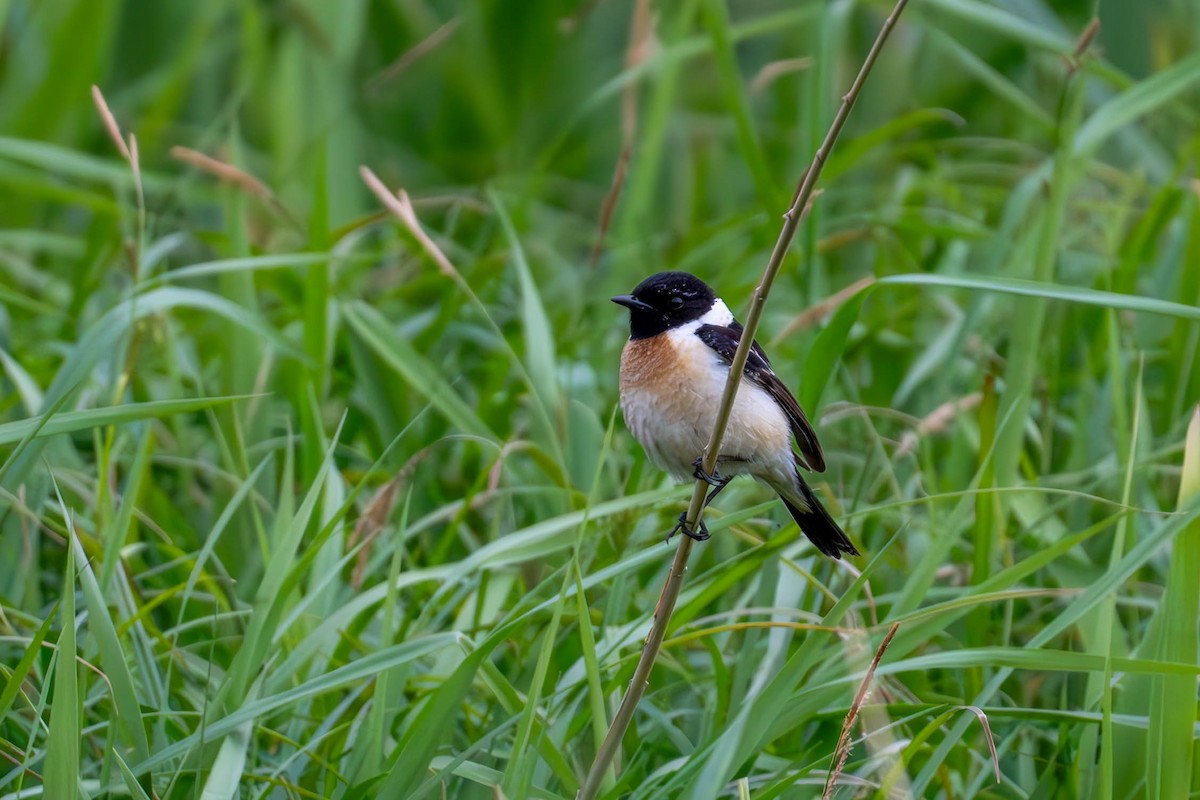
point(719, 314)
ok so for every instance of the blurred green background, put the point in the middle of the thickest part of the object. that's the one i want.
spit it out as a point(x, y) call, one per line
point(316, 506)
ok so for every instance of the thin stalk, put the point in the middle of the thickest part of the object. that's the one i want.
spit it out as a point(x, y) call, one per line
point(801, 201)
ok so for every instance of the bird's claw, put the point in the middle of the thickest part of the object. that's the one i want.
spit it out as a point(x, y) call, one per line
point(712, 480)
point(682, 527)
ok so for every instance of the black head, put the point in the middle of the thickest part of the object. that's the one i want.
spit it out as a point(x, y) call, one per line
point(665, 300)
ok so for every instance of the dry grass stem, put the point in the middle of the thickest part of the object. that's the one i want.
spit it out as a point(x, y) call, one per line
point(233, 175)
point(135, 164)
point(987, 735)
point(777, 69)
point(937, 421)
point(642, 42)
point(1082, 44)
point(224, 171)
point(842, 752)
point(110, 123)
point(415, 53)
point(814, 314)
point(376, 514)
point(402, 207)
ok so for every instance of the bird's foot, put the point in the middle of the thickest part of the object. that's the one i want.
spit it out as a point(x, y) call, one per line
point(712, 480)
point(682, 527)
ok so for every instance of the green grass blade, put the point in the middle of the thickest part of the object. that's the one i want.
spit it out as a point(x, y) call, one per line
point(519, 773)
point(72, 421)
point(826, 352)
point(420, 374)
point(539, 338)
point(1050, 291)
point(370, 752)
point(1143, 98)
point(596, 698)
point(225, 776)
point(998, 20)
point(715, 17)
point(118, 533)
point(131, 782)
point(126, 703)
point(270, 597)
point(1173, 712)
point(416, 749)
point(18, 674)
point(360, 669)
point(67, 162)
point(206, 269)
point(63, 740)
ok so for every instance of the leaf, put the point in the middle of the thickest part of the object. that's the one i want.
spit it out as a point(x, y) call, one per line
point(21, 671)
point(999, 21)
point(224, 266)
point(827, 351)
point(731, 89)
point(1170, 747)
point(131, 782)
point(399, 354)
point(71, 421)
point(70, 163)
point(226, 774)
point(63, 740)
point(1140, 99)
point(112, 659)
point(1189, 478)
point(101, 338)
point(361, 668)
point(1051, 291)
point(539, 337)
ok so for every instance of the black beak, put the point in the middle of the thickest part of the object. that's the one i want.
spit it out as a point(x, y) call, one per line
point(632, 303)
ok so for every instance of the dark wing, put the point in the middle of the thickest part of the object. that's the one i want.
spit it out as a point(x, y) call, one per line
point(724, 342)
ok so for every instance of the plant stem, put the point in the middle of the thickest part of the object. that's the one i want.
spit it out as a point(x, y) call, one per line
point(801, 201)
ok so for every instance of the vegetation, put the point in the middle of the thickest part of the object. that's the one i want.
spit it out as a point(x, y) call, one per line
point(306, 495)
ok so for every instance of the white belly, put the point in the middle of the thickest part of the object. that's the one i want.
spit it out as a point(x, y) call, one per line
point(673, 419)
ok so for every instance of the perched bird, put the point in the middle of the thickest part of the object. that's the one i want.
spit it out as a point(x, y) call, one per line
point(673, 371)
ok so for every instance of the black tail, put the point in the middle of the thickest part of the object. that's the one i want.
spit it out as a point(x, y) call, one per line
point(818, 526)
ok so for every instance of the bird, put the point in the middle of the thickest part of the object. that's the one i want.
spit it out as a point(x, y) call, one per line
point(682, 338)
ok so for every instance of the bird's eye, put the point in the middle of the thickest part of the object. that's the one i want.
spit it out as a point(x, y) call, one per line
point(676, 302)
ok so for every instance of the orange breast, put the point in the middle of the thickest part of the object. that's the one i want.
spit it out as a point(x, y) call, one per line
point(671, 387)
point(645, 361)
point(661, 403)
